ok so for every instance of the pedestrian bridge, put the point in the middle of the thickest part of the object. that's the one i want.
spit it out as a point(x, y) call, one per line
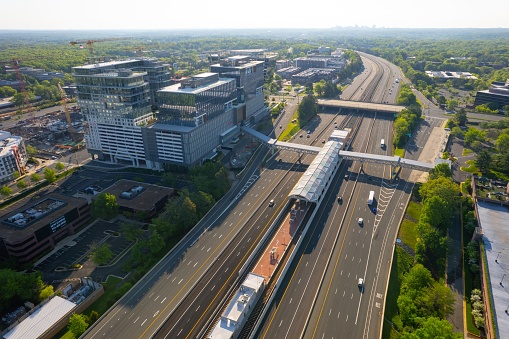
point(366, 106)
point(394, 161)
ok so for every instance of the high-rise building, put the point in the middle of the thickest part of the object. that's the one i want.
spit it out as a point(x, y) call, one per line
point(195, 116)
point(116, 99)
point(13, 156)
point(249, 76)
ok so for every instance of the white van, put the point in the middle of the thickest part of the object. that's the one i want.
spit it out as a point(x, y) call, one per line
point(382, 143)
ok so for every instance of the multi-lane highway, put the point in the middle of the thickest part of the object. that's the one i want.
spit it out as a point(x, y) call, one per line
point(176, 298)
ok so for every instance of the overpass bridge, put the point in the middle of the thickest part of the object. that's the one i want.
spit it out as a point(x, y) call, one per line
point(394, 161)
point(366, 106)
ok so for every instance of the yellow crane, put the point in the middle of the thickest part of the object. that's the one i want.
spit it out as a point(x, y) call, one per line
point(67, 114)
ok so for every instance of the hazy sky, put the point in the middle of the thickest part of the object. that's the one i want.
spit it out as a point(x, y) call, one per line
point(181, 14)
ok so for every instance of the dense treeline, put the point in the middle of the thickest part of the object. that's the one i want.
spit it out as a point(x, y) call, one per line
point(424, 301)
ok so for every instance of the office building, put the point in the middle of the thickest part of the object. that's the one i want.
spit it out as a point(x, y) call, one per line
point(498, 93)
point(116, 99)
point(249, 76)
point(13, 156)
point(30, 227)
point(195, 117)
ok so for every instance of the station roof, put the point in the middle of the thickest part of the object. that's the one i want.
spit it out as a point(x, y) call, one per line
point(312, 183)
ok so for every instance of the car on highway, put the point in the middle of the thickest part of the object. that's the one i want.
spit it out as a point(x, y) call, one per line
point(308, 136)
point(360, 282)
point(340, 199)
point(361, 221)
point(309, 132)
point(346, 176)
point(271, 203)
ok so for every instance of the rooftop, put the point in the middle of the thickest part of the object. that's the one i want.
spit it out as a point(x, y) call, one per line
point(12, 234)
point(141, 201)
point(41, 320)
point(177, 88)
point(7, 141)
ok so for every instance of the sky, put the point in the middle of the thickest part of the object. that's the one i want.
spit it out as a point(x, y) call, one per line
point(210, 14)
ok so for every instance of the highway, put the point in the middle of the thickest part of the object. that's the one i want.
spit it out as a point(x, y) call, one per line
point(187, 285)
point(322, 297)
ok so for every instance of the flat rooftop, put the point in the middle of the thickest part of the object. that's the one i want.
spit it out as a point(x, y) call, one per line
point(493, 219)
point(176, 88)
point(41, 320)
point(142, 202)
point(12, 234)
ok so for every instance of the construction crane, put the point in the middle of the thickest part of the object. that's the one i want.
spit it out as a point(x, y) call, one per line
point(90, 43)
point(26, 106)
point(67, 114)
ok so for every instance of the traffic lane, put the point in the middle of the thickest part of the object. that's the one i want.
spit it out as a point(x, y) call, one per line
point(301, 292)
point(345, 306)
point(352, 234)
point(189, 324)
point(133, 297)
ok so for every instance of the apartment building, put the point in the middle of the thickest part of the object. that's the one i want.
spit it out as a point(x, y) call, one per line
point(13, 156)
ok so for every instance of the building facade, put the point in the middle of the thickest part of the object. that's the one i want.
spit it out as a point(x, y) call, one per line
point(13, 156)
point(116, 98)
point(31, 227)
point(498, 93)
point(193, 115)
point(249, 75)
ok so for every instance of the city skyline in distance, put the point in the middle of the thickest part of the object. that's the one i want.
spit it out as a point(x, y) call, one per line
point(263, 14)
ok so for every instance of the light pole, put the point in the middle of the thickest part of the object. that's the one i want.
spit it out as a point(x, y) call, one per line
point(496, 260)
point(502, 279)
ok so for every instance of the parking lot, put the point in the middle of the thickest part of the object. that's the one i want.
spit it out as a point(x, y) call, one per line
point(77, 248)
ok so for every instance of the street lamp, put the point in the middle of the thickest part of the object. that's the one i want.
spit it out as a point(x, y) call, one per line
point(502, 279)
point(496, 260)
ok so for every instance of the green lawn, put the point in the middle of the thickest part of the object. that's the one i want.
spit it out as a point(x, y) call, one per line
point(100, 305)
point(414, 210)
point(400, 152)
point(466, 152)
point(471, 168)
point(408, 233)
point(401, 263)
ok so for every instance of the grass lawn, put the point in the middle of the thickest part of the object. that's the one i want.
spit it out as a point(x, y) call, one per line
point(68, 335)
point(414, 210)
point(408, 233)
point(100, 305)
point(471, 168)
point(400, 152)
point(401, 263)
point(499, 175)
point(466, 152)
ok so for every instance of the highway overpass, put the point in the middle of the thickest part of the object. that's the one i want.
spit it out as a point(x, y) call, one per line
point(366, 106)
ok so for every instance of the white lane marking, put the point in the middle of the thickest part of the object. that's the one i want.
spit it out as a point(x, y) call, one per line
point(162, 301)
point(136, 320)
point(156, 313)
point(180, 281)
point(156, 298)
point(143, 322)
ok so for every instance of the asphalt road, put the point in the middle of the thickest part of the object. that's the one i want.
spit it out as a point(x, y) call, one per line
point(146, 306)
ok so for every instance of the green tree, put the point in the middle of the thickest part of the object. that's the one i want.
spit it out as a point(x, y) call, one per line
point(16, 174)
point(21, 184)
point(94, 315)
point(506, 110)
point(46, 292)
point(319, 89)
point(452, 104)
point(77, 325)
point(439, 300)
point(440, 170)
point(416, 280)
point(433, 328)
point(34, 177)
point(460, 117)
point(5, 191)
point(31, 150)
point(104, 206)
point(59, 166)
point(502, 143)
point(443, 187)
point(406, 97)
point(18, 288)
point(156, 242)
point(474, 134)
point(441, 100)
point(436, 212)
point(130, 230)
point(50, 175)
point(483, 161)
point(308, 108)
point(101, 254)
